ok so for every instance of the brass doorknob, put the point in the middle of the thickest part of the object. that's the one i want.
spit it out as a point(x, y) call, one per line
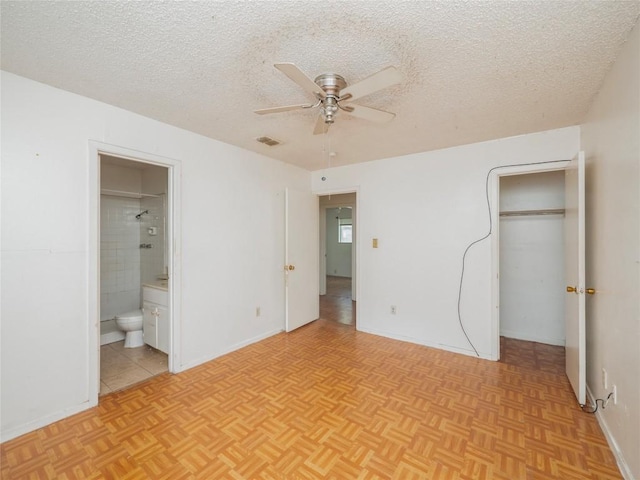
point(292, 267)
point(590, 291)
point(571, 289)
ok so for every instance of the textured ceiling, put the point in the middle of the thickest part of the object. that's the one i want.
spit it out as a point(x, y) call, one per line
point(472, 71)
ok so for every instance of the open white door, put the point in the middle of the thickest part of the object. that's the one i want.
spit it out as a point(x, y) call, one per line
point(574, 254)
point(301, 259)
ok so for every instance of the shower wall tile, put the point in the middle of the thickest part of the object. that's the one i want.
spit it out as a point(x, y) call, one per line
point(119, 255)
point(153, 260)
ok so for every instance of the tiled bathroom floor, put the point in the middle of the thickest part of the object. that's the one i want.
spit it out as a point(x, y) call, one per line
point(121, 367)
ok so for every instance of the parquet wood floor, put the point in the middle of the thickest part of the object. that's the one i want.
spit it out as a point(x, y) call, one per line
point(337, 305)
point(328, 402)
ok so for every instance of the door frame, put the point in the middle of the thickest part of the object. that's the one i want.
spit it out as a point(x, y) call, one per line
point(494, 200)
point(174, 264)
point(323, 246)
point(357, 245)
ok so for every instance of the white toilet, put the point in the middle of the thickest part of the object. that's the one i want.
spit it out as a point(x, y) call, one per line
point(131, 324)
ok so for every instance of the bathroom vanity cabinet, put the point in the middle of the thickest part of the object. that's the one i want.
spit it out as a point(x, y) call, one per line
point(155, 303)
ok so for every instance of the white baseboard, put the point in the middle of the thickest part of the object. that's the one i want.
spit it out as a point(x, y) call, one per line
point(622, 464)
point(12, 433)
point(230, 349)
point(111, 337)
point(28, 427)
point(109, 332)
point(439, 346)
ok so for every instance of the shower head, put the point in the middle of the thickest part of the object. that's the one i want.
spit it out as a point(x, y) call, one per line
point(141, 213)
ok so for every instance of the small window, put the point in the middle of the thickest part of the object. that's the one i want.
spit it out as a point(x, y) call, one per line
point(345, 230)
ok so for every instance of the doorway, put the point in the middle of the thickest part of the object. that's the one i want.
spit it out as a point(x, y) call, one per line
point(532, 257)
point(134, 273)
point(573, 260)
point(528, 253)
point(338, 253)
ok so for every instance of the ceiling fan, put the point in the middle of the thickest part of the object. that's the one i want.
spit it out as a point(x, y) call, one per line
point(333, 94)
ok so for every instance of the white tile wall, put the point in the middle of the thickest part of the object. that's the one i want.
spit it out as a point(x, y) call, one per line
point(119, 255)
point(153, 259)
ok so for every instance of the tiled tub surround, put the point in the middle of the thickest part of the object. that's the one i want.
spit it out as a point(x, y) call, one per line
point(119, 255)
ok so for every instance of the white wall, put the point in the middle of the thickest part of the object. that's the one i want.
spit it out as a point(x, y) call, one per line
point(45, 252)
point(154, 180)
point(425, 209)
point(120, 178)
point(532, 291)
point(610, 139)
point(338, 254)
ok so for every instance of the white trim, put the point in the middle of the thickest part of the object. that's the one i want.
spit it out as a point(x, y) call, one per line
point(613, 445)
point(111, 337)
point(232, 348)
point(494, 200)
point(323, 246)
point(32, 426)
point(174, 208)
point(356, 245)
point(322, 253)
point(440, 346)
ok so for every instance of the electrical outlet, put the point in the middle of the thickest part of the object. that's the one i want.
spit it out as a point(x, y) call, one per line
point(615, 395)
point(605, 380)
point(257, 311)
point(393, 309)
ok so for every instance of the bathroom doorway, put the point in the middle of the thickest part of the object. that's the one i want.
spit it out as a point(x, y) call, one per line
point(134, 267)
point(134, 272)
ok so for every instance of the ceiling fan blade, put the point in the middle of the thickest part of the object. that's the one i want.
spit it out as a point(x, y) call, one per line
point(320, 127)
point(368, 113)
point(298, 76)
point(285, 108)
point(383, 79)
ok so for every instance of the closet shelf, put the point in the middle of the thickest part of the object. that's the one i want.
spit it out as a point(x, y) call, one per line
point(523, 213)
point(122, 193)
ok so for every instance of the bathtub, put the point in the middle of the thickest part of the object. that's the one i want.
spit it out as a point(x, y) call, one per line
point(109, 332)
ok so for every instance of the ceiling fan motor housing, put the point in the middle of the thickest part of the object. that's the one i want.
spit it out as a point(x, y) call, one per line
point(331, 83)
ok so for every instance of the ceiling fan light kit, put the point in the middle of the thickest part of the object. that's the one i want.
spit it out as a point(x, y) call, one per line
point(332, 94)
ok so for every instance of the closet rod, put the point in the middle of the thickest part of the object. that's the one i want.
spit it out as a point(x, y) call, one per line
point(522, 213)
point(121, 193)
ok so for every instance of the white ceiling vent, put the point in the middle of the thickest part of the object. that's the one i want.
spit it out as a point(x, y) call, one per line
point(268, 141)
